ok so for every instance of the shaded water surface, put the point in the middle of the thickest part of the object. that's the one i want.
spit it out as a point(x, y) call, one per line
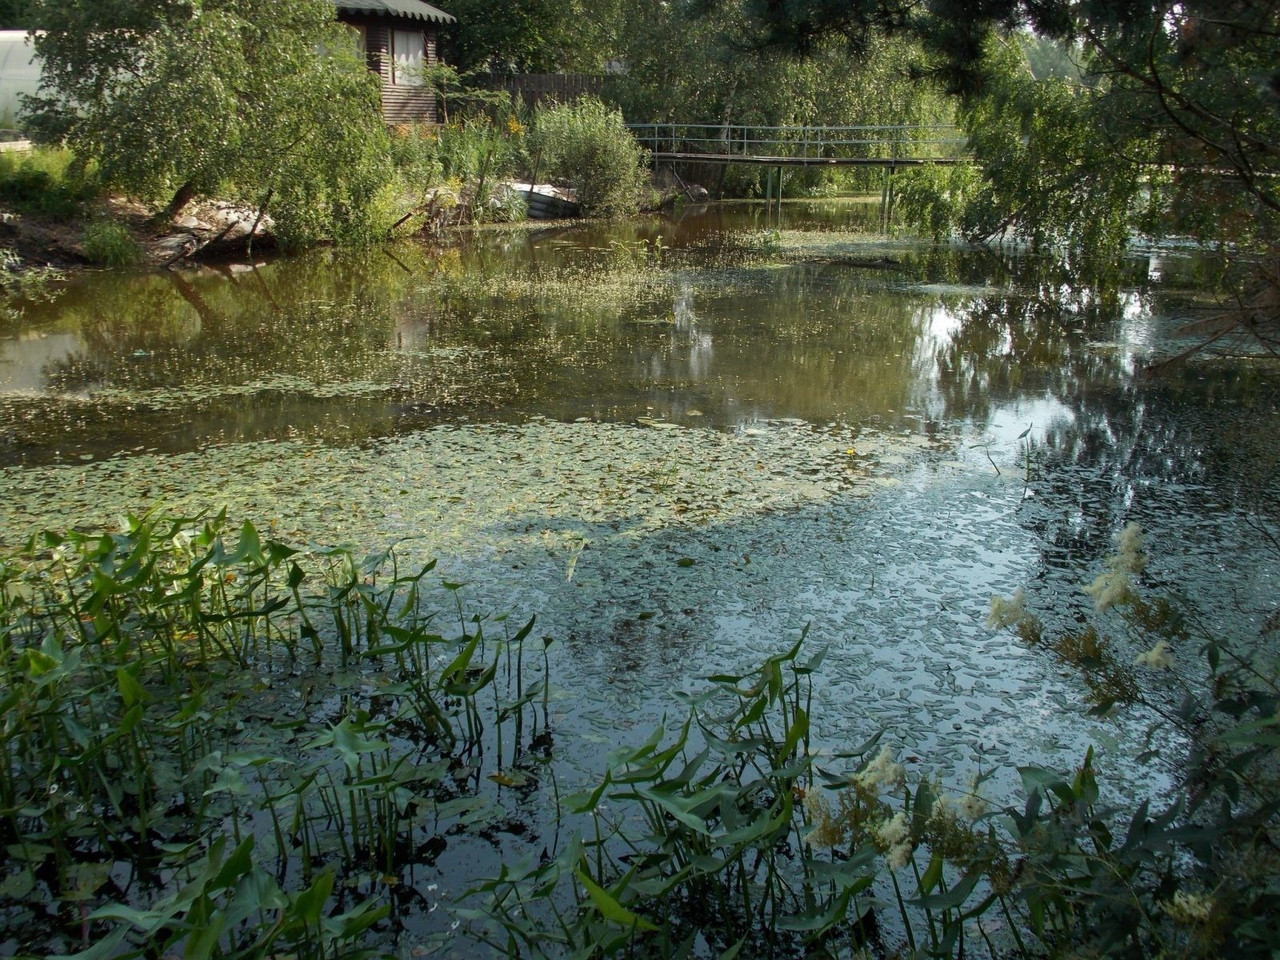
point(679, 442)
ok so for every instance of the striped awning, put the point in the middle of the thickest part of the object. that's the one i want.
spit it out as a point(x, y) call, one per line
point(414, 9)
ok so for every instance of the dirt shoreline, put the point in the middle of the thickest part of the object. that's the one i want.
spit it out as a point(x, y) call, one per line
point(212, 229)
point(206, 231)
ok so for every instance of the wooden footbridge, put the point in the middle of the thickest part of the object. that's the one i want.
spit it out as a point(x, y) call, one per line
point(866, 146)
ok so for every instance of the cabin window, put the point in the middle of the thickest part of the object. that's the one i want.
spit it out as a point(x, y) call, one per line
point(357, 39)
point(408, 57)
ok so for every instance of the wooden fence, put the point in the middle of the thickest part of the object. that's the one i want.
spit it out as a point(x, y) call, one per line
point(536, 88)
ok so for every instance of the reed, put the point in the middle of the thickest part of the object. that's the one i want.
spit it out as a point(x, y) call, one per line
point(142, 793)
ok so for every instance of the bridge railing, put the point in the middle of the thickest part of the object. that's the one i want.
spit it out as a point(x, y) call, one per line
point(924, 141)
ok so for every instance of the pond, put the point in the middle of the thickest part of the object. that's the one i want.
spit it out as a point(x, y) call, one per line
point(681, 441)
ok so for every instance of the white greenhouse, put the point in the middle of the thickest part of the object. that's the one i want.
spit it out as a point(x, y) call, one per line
point(19, 73)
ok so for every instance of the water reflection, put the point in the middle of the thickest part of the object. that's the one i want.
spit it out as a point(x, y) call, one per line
point(432, 393)
point(614, 322)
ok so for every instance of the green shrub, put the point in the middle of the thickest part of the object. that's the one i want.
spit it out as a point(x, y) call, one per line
point(47, 182)
point(586, 144)
point(474, 155)
point(110, 244)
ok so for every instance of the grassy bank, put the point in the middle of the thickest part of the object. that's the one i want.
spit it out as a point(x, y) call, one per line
point(61, 212)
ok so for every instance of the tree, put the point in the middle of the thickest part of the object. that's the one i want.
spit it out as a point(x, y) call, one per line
point(266, 100)
point(532, 36)
point(1186, 92)
point(15, 15)
point(682, 68)
point(689, 70)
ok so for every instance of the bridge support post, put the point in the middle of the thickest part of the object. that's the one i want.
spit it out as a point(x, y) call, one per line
point(886, 199)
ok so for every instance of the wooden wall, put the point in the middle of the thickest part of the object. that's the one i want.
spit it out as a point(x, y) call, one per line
point(400, 103)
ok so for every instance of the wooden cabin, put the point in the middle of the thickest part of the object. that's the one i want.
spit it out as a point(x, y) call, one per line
point(398, 38)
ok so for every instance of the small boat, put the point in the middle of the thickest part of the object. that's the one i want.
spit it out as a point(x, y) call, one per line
point(547, 202)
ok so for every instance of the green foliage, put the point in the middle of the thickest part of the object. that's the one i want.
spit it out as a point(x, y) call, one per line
point(532, 36)
point(1196, 878)
point(459, 167)
point(935, 200)
point(46, 181)
point(16, 15)
point(586, 145)
point(110, 244)
point(1181, 98)
point(21, 284)
point(1051, 180)
point(138, 726)
point(231, 96)
point(696, 834)
point(475, 148)
point(689, 69)
point(725, 852)
point(1047, 178)
point(466, 93)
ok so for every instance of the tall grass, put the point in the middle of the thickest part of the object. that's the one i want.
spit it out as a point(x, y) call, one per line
point(110, 244)
point(46, 181)
point(137, 729)
point(457, 168)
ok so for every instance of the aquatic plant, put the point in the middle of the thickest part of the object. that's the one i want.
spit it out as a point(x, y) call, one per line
point(1192, 875)
point(197, 737)
point(733, 837)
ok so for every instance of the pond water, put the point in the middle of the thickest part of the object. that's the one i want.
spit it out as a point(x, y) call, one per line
point(679, 442)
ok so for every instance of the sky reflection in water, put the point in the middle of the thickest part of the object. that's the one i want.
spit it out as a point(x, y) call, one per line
point(864, 437)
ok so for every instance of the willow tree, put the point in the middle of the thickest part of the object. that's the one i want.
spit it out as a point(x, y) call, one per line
point(684, 68)
point(532, 36)
point(1176, 102)
point(266, 100)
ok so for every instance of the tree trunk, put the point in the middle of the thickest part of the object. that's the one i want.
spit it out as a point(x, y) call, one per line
point(181, 197)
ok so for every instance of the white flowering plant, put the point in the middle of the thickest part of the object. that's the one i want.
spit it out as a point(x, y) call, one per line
point(751, 844)
point(1191, 875)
